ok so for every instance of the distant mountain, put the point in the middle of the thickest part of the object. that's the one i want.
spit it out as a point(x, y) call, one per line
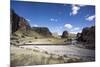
point(55, 34)
point(44, 31)
point(21, 27)
point(72, 35)
point(64, 34)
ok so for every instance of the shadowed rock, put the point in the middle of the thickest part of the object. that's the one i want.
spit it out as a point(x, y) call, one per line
point(65, 34)
point(42, 31)
point(18, 22)
point(87, 36)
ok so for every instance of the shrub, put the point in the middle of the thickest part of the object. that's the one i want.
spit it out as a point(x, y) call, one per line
point(36, 37)
point(23, 36)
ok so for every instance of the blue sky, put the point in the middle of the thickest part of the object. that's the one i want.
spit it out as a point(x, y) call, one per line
point(57, 17)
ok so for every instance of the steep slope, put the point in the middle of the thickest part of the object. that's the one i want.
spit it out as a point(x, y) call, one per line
point(87, 36)
point(18, 22)
point(44, 31)
point(20, 26)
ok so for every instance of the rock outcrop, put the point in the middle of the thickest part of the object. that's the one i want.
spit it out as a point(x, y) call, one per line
point(22, 32)
point(44, 31)
point(64, 34)
point(87, 36)
point(21, 27)
point(18, 22)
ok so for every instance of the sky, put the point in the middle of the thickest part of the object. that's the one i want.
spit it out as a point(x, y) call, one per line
point(57, 17)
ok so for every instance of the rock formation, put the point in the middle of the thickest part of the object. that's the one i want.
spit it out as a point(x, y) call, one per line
point(87, 36)
point(23, 28)
point(42, 31)
point(65, 34)
point(18, 22)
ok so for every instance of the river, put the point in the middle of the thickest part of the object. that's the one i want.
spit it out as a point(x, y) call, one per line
point(69, 50)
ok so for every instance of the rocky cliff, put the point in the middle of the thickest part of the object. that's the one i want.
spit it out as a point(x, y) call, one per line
point(87, 36)
point(21, 27)
point(42, 31)
point(18, 22)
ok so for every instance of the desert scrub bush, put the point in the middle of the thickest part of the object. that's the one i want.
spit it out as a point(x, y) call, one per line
point(70, 60)
point(17, 41)
point(23, 36)
point(30, 41)
point(49, 40)
point(55, 60)
point(65, 55)
point(65, 40)
point(45, 52)
point(69, 39)
point(13, 38)
point(60, 58)
point(14, 34)
point(12, 43)
point(36, 37)
point(35, 50)
point(21, 59)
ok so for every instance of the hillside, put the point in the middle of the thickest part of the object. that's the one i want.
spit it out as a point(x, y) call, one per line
point(44, 31)
point(87, 37)
point(22, 28)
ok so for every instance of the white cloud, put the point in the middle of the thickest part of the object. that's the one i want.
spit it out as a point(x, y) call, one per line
point(75, 29)
point(28, 19)
point(68, 26)
point(75, 9)
point(35, 25)
point(71, 29)
point(75, 32)
point(53, 20)
point(90, 18)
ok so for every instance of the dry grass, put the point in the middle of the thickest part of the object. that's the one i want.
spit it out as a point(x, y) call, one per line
point(23, 56)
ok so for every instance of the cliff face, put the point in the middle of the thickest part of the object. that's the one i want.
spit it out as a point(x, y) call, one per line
point(87, 36)
point(18, 22)
point(22, 27)
point(42, 31)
